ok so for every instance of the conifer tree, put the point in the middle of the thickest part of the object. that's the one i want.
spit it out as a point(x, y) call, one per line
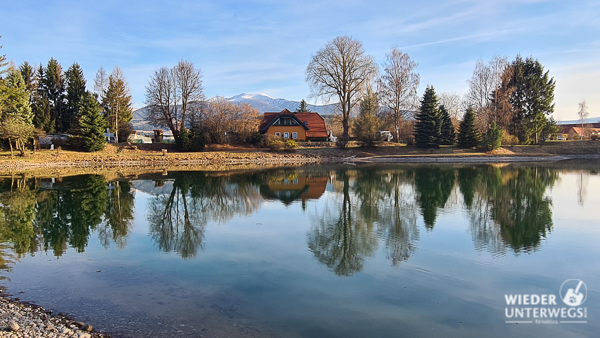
point(3, 63)
point(41, 104)
point(54, 88)
point(118, 108)
point(28, 74)
point(367, 124)
point(303, 108)
point(429, 121)
point(532, 99)
point(493, 138)
point(88, 130)
point(447, 130)
point(468, 135)
point(75, 89)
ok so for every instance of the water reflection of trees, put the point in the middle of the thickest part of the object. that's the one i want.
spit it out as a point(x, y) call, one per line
point(367, 205)
point(507, 206)
point(53, 215)
point(178, 219)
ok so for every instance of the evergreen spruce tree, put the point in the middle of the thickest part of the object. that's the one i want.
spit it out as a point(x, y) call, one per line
point(3, 64)
point(532, 99)
point(41, 105)
point(118, 107)
point(75, 90)
point(88, 129)
point(54, 87)
point(303, 108)
point(28, 74)
point(367, 125)
point(468, 135)
point(492, 138)
point(428, 126)
point(447, 130)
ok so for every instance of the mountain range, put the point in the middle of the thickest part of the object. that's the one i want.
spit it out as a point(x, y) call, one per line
point(261, 102)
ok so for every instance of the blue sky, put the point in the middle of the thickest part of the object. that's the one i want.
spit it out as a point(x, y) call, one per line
point(265, 46)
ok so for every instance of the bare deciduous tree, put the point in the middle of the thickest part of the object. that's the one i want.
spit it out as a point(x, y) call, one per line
point(583, 115)
point(172, 94)
point(341, 69)
point(486, 79)
point(454, 104)
point(100, 82)
point(397, 87)
point(224, 122)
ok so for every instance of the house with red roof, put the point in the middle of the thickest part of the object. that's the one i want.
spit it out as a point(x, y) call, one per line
point(303, 126)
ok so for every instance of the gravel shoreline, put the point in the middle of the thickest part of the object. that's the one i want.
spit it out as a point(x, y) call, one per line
point(23, 319)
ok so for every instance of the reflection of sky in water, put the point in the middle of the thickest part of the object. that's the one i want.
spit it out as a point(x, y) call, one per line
point(257, 270)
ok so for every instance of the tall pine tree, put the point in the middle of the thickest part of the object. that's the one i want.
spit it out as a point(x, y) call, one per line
point(41, 104)
point(88, 129)
point(468, 135)
point(118, 107)
point(303, 108)
point(447, 130)
point(429, 122)
point(367, 125)
point(54, 88)
point(75, 91)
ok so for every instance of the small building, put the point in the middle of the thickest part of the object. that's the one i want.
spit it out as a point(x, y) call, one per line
point(295, 126)
point(576, 133)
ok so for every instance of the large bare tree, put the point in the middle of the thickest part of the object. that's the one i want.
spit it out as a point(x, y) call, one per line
point(173, 94)
point(486, 79)
point(397, 87)
point(341, 69)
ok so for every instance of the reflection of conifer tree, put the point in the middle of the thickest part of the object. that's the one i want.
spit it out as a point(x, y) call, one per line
point(525, 216)
point(467, 182)
point(54, 219)
point(17, 215)
point(434, 186)
point(510, 208)
point(88, 206)
point(119, 214)
point(342, 240)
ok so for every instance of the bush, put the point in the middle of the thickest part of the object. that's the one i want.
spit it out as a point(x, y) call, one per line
point(275, 143)
point(594, 137)
point(508, 139)
point(256, 138)
point(191, 140)
point(291, 145)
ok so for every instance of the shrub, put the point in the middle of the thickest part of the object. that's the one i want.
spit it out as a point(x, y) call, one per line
point(291, 145)
point(275, 143)
point(508, 139)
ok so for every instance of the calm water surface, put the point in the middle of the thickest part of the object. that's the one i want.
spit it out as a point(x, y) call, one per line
point(348, 251)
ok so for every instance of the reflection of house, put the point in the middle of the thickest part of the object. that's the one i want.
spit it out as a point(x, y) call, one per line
point(294, 187)
point(296, 126)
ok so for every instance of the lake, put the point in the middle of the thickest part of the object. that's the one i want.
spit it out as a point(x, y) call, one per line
point(317, 251)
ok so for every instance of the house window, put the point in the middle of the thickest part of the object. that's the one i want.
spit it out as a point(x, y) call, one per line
point(286, 135)
point(294, 135)
point(278, 134)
